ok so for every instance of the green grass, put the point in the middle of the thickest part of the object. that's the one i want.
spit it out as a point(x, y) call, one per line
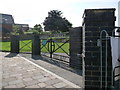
point(28, 47)
point(25, 46)
point(65, 47)
point(5, 46)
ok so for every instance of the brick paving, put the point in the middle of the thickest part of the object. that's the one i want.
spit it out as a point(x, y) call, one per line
point(19, 73)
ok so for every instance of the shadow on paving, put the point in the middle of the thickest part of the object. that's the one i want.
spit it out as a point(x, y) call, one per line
point(10, 55)
point(57, 63)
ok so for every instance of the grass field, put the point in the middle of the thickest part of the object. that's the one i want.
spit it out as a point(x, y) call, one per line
point(5, 46)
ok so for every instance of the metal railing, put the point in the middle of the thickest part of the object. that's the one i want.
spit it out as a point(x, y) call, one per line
point(106, 38)
point(101, 57)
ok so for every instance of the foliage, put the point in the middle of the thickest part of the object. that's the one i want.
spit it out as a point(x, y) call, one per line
point(28, 32)
point(35, 32)
point(16, 30)
point(38, 28)
point(55, 22)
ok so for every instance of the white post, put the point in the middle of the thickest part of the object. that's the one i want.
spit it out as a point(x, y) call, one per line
point(119, 14)
point(115, 45)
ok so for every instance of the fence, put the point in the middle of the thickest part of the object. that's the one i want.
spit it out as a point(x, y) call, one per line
point(55, 46)
point(21, 43)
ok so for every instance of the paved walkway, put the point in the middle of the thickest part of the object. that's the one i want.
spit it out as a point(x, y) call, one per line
point(18, 72)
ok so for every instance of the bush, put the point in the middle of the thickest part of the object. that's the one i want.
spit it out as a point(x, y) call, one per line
point(35, 32)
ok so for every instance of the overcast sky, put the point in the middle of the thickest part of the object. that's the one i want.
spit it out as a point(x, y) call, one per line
point(34, 11)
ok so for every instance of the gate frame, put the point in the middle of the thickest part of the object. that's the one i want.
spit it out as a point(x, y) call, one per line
point(106, 54)
point(106, 38)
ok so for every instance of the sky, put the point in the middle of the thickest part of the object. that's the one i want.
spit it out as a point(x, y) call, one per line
point(34, 11)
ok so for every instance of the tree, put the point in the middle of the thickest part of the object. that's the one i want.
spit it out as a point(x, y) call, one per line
point(17, 30)
point(38, 28)
point(56, 22)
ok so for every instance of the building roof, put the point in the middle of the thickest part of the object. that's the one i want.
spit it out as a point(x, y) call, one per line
point(6, 19)
point(22, 25)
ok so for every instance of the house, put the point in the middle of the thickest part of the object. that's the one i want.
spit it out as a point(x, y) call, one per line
point(23, 27)
point(6, 23)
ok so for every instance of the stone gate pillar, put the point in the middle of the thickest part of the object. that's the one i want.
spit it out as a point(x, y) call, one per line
point(14, 44)
point(36, 45)
point(76, 47)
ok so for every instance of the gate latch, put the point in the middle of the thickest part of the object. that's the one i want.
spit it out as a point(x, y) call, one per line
point(98, 43)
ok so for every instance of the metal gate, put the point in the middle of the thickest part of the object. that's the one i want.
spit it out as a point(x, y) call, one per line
point(55, 46)
point(25, 43)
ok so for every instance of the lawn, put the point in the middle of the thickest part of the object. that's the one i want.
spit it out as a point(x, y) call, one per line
point(28, 47)
point(65, 48)
point(5, 46)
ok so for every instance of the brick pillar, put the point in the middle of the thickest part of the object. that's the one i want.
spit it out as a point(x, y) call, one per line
point(14, 44)
point(76, 47)
point(36, 45)
point(94, 21)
